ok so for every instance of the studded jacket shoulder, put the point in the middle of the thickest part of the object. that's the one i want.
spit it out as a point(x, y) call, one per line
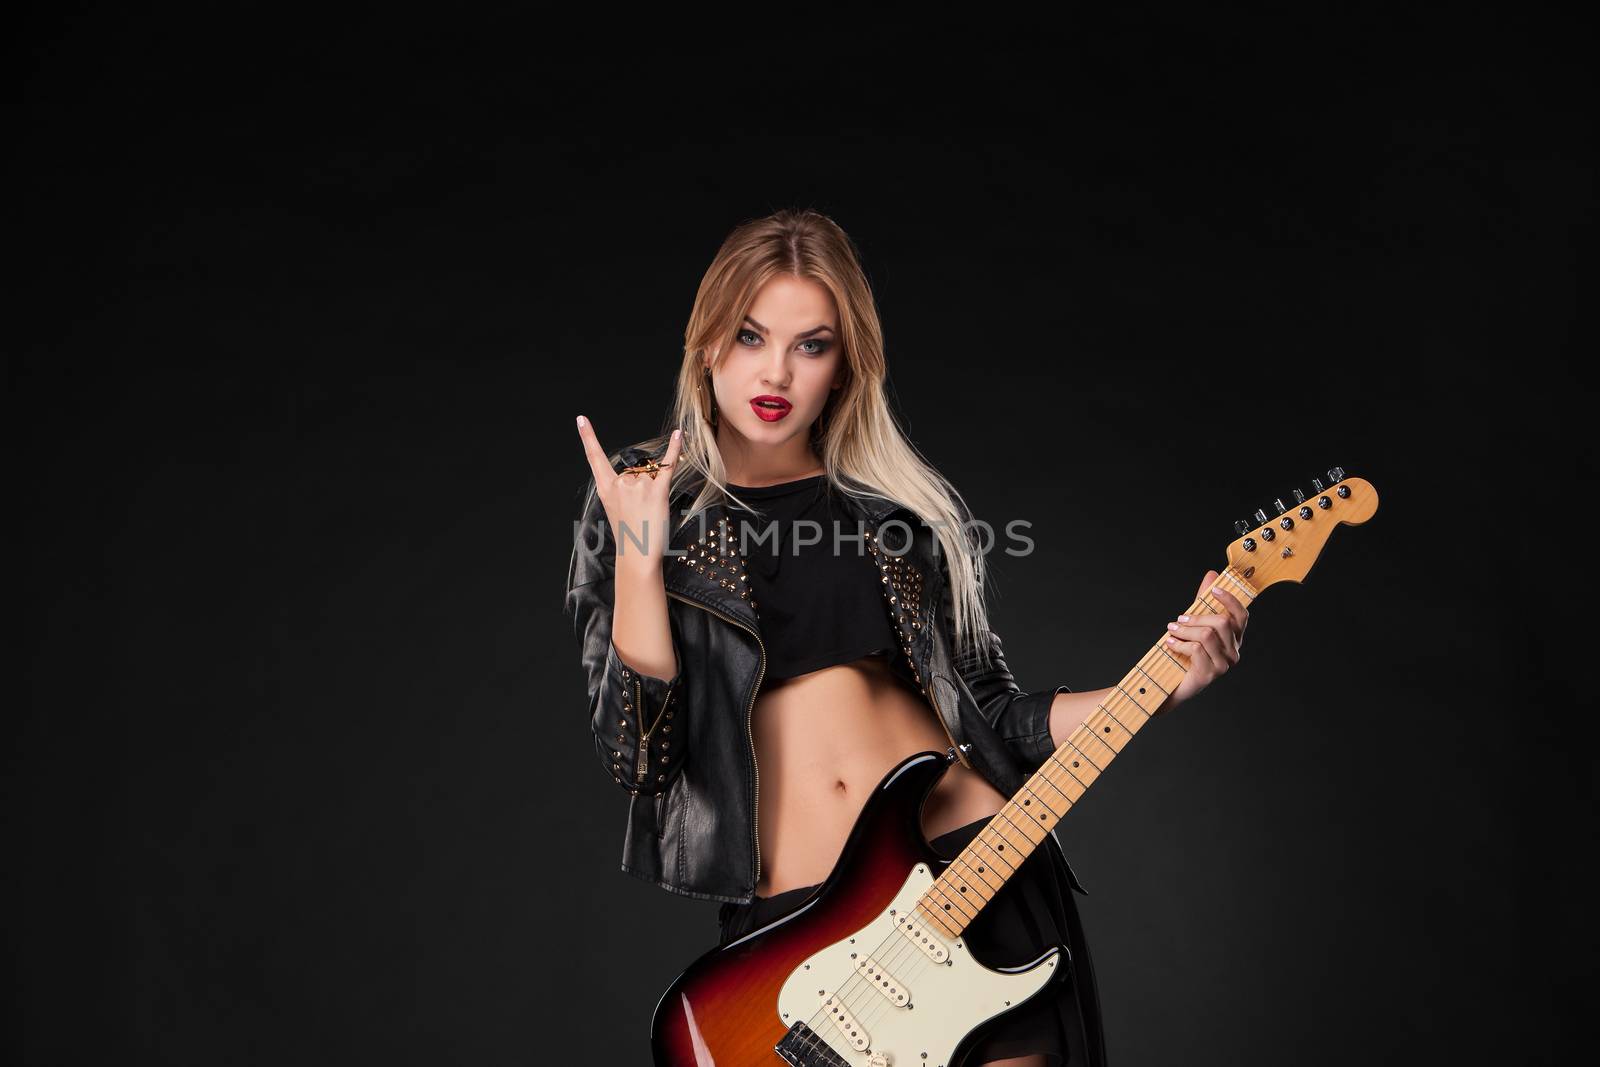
point(682, 748)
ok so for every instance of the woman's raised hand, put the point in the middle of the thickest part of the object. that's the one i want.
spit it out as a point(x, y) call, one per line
point(635, 502)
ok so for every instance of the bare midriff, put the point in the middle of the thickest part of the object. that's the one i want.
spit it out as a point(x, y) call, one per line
point(824, 741)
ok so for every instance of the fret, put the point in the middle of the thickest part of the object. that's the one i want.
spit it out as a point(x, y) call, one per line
point(986, 874)
point(933, 915)
point(1049, 794)
point(998, 864)
point(1076, 766)
point(1037, 811)
point(1105, 728)
point(949, 901)
point(1153, 691)
point(1130, 710)
point(1171, 659)
point(1092, 749)
point(1021, 827)
point(989, 860)
point(978, 886)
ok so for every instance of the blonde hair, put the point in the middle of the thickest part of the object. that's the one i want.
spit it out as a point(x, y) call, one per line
point(863, 449)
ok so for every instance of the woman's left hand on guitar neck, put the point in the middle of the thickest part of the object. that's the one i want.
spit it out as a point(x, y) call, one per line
point(1211, 642)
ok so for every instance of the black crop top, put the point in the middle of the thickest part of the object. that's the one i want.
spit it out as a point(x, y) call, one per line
point(819, 604)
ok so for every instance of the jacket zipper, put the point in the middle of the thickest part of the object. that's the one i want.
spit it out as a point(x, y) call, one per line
point(641, 771)
point(755, 801)
point(641, 768)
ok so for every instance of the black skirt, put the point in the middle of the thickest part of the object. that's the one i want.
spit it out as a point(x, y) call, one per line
point(1033, 911)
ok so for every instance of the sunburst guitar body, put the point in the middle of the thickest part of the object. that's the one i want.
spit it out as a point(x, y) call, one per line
point(859, 974)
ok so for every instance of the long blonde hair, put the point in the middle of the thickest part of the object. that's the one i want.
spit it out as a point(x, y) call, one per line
point(862, 447)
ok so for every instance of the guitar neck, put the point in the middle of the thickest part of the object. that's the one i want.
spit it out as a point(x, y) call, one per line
point(993, 856)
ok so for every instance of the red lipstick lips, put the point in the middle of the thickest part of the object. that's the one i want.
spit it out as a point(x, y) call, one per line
point(770, 408)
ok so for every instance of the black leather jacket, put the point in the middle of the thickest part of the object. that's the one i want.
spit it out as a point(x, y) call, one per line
point(695, 785)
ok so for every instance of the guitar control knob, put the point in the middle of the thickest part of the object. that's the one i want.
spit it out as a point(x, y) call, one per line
point(1241, 527)
point(879, 1059)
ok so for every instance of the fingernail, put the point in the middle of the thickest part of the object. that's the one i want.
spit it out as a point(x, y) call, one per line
point(676, 434)
point(1183, 618)
point(581, 420)
point(1172, 626)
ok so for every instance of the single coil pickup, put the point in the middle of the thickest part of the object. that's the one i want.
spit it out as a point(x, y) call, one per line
point(884, 982)
point(846, 1023)
point(922, 935)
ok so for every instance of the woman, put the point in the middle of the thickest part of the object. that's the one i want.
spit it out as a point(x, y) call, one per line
point(741, 597)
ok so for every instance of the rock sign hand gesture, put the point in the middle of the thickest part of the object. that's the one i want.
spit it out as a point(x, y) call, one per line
point(635, 500)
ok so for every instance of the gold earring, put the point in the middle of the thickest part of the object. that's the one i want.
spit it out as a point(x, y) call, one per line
point(711, 400)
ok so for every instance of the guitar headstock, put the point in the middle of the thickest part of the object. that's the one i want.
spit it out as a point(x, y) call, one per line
point(1282, 547)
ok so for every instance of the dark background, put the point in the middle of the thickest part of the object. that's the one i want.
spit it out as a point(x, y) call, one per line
point(308, 307)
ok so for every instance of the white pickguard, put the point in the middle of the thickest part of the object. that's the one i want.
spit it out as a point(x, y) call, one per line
point(946, 1001)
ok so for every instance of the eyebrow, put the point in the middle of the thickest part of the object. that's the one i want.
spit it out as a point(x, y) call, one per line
point(808, 333)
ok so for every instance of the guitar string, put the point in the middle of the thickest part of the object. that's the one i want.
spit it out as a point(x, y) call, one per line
point(856, 982)
point(908, 975)
point(893, 962)
point(1153, 656)
point(858, 988)
point(870, 1015)
point(867, 1017)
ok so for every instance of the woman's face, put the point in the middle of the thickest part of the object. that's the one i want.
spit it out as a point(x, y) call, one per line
point(785, 359)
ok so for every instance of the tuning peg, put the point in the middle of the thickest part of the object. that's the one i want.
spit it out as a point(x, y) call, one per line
point(1241, 527)
point(1335, 474)
point(1316, 485)
point(1299, 497)
point(1261, 517)
point(1280, 505)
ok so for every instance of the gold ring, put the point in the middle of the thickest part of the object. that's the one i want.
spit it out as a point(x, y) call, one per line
point(651, 467)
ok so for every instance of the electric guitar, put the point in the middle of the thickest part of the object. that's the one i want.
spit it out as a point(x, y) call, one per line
point(872, 970)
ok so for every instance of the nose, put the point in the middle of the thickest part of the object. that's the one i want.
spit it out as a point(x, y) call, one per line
point(776, 370)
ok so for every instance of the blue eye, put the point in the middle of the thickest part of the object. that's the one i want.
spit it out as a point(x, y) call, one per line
point(755, 339)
